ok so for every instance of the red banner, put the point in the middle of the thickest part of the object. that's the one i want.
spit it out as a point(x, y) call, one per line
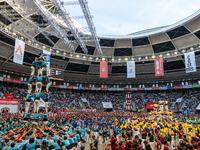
point(104, 89)
point(103, 69)
point(16, 81)
point(178, 87)
point(6, 80)
point(8, 101)
point(70, 87)
point(56, 86)
point(155, 88)
point(127, 89)
point(88, 88)
point(140, 89)
point(159, 70)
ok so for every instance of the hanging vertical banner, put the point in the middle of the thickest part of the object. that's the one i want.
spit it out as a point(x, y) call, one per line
point(190, 62)
point(19, 52)
point(48, 58)
point(103, 69)
point(130, 69)
point(159, 69)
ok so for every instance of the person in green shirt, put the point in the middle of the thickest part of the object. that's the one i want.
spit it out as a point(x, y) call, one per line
point(151, 136)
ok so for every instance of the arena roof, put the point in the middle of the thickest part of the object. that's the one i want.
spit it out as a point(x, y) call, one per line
point(140, 46)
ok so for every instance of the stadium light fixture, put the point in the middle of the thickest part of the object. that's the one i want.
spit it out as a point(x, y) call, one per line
point(153, 56)
point(175, 53)
point(14, 33)
point(90, 58)
point(191, 48)
point(103, 59)
point(183, 51)
point(77, 56)
point(168, 54)
point(119, 59)
point(84, 57)
point(126, 59)
point(139, 58)
point(146, 57)
point(71, 55)
point(44, 47)
point(160, 55)
point(132, 59)
point(50, 50)
point(113, 59)
point(57, 51)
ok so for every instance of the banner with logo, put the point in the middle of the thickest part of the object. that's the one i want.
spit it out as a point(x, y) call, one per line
point(190, 63)
point(130, 69)
point(159, 69)
point(48, 58)
point(19, 52)
point(103, 69)
point(107, 104)
point(42, 103)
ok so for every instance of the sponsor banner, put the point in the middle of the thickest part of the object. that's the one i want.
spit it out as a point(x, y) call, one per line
point(196, 86)
point(6, 80)
point(75, 87)
point(24, 82)
point(56, 86)
point(140, 89)
point(19, 52)
point(158, 64)
point(88, 88)
point(130, 69)
point(9, 101)
point(133, 89)
point(187, 86)
point(10, 108)
point(163, 88)
point(48, 58)
point(70, 87)
point(107, 104)
point(190, 62)
point(170, 87)
point(103, 69)
point(63, 86)
point(104, 89)
point(127, 89)
point(97, 89)
point(120, 89)
point(81, 88)
point(179, 100)
point(148, 89)
point(178, 87)
point(1, 78)
point(16, 81)
point(155, 88)
point(112, 89)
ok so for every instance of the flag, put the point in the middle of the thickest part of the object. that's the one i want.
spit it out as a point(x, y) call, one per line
point(158, 64)
point(130, 69)
point(19, 52)
point(103, 69)
point(190, 62)
point(42, 103)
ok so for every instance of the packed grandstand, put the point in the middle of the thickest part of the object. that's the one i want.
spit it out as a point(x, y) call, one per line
point(65, 88)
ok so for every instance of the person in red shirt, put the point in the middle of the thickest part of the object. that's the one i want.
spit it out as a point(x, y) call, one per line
point(113, 142)
point(165, 145)
point(158, 143)
point(144, 133)
point(120, 146)
point(180, 134)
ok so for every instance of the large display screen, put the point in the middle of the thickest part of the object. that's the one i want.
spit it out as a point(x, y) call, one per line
point(56, 74)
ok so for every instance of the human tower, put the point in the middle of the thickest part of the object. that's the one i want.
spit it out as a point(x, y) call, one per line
point(39, 65)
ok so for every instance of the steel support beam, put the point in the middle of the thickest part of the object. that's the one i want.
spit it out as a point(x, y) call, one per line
point(47, 15)
point(67, 19)
point(86, 12)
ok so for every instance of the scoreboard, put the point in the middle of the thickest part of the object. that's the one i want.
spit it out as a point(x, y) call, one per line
point(56, 74)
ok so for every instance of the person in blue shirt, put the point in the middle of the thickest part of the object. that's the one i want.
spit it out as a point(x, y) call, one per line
point(30, 145)
point(30, 81)
point(48, 83)
point(39, 79)
point(46, 100)
point(34, 65)
point(28, 101)
point(37, 97)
